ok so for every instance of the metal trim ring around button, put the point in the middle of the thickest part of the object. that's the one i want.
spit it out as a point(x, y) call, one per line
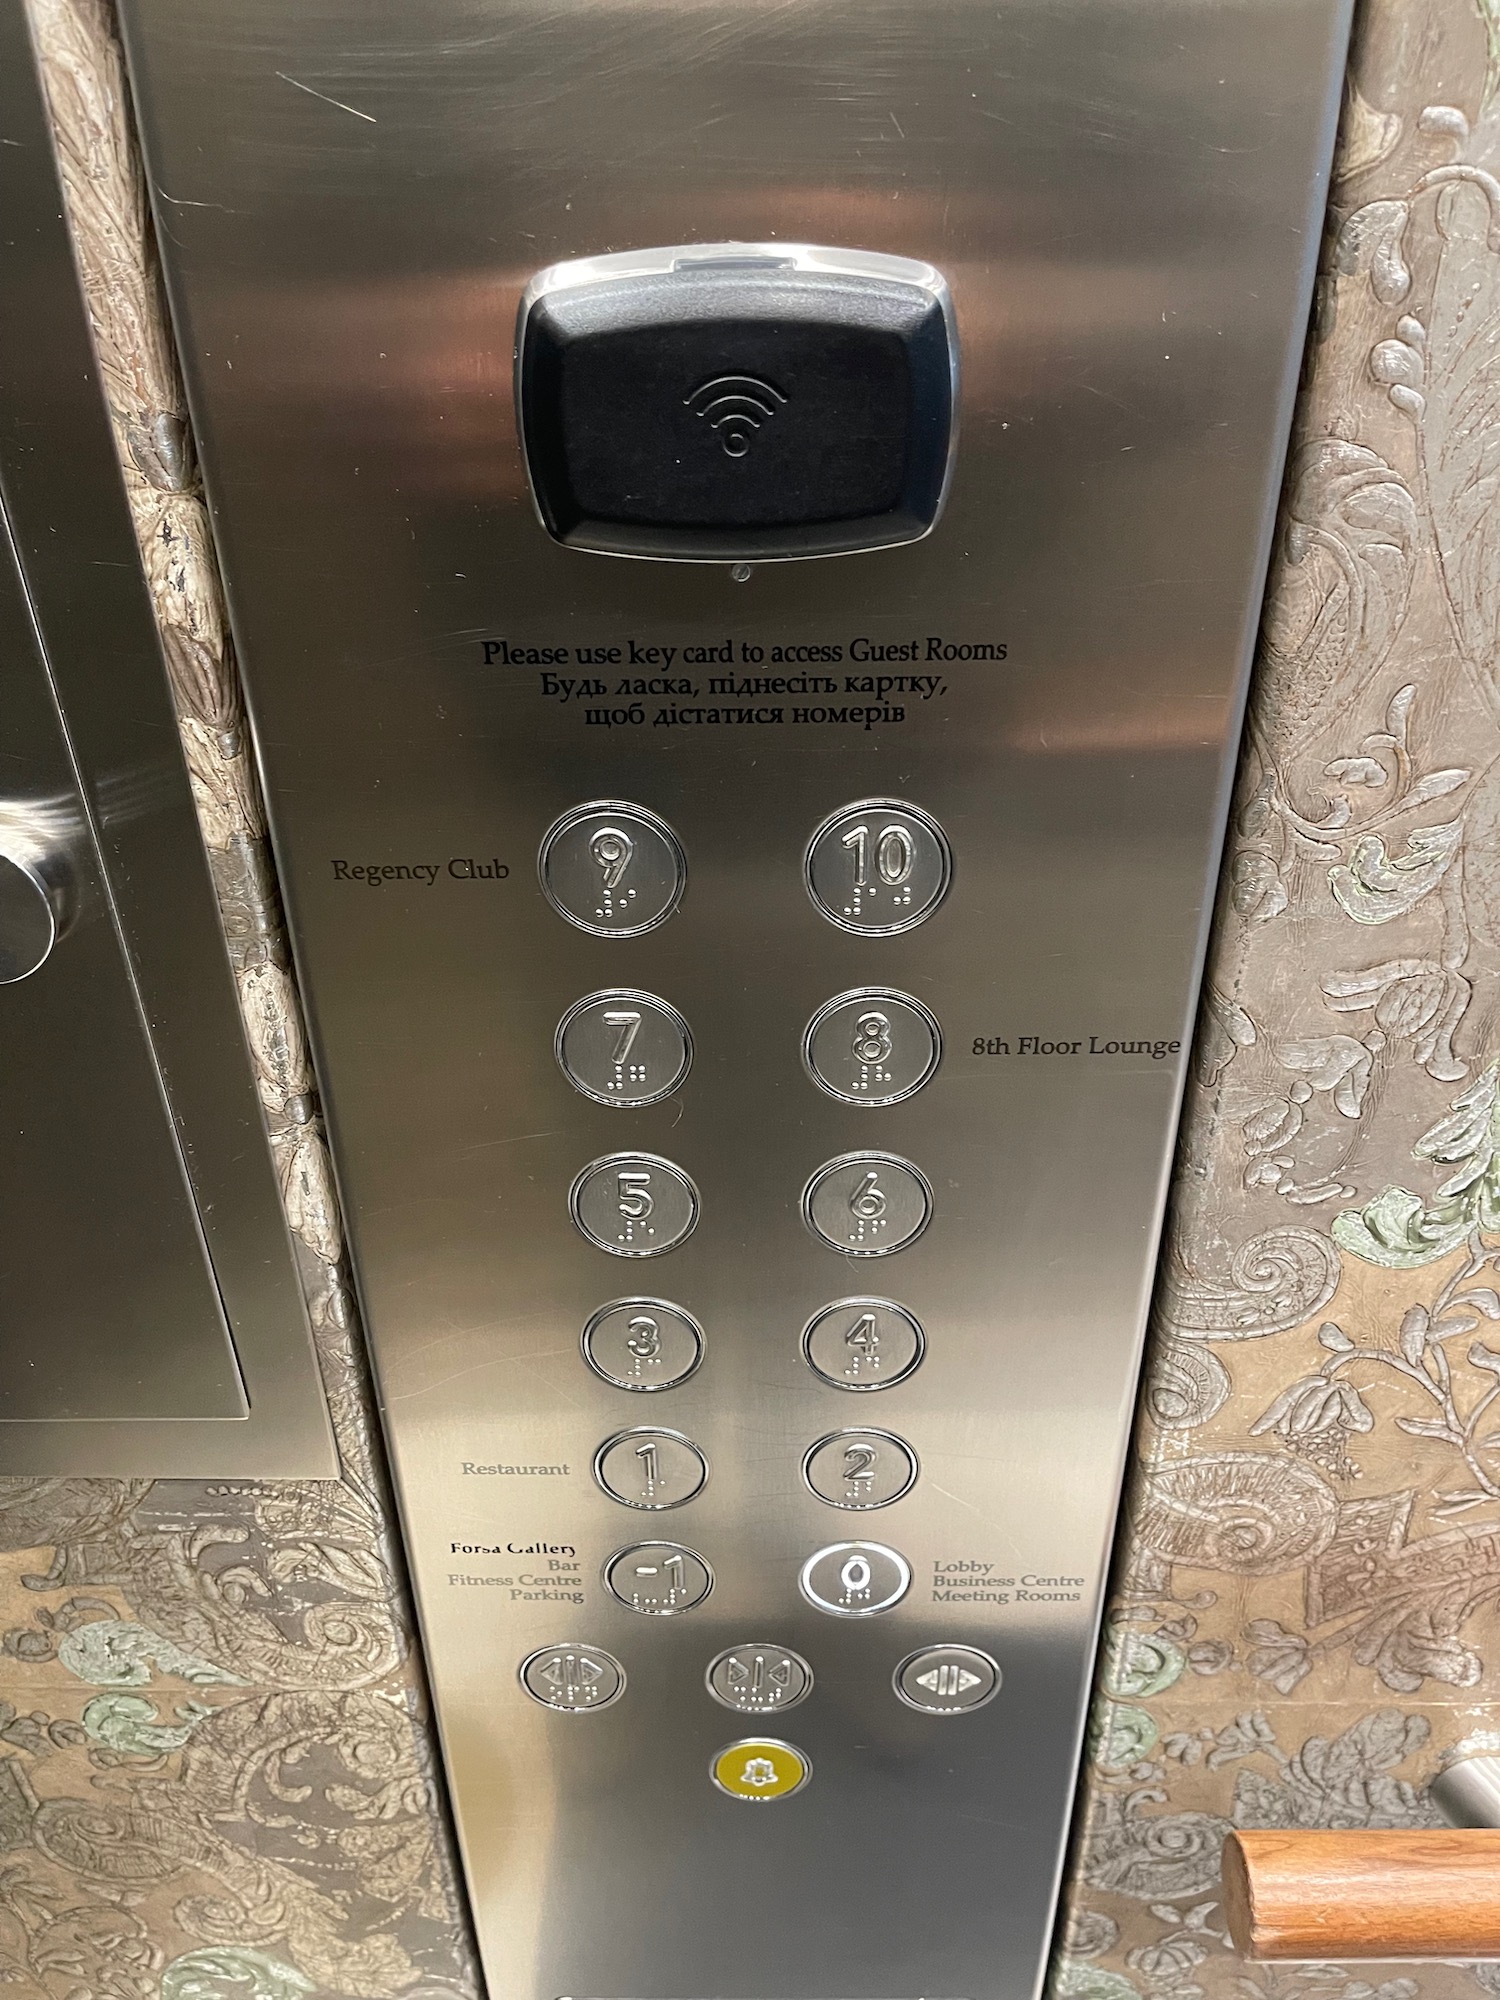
point(860, 1306)
point(651, 1001)
point(853, 809)
point(618, 809)
point(652, 1309)
point(793, 1660)
point(662, 1610)
point(903, 1450)
point(585, 1175)
point(981, 1660)
point(851, 1550)
point(893, 997)
point(567, 1649)
point(817, 1180)
point(753, 1749)
point(649, 1431)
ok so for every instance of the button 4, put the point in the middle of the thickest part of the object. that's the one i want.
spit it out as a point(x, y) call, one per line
point(760, 1768)
point(863, 1344)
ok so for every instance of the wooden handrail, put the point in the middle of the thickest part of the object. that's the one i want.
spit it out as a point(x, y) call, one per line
point(1433, 1893)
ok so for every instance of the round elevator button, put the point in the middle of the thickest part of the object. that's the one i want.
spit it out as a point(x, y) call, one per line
point(863, 1343)
point(759, 1768)
point(947, 1680)
point(658, 1579)
point(623, 1047)
point(872, 1046)
point(860, 1468)
point(878, 867)
point(759, 1679)
point(643, 1344)
point(867, 1204)
point(650, 1469)
point(612, 868)
point(572, 1679)
point(855, 1579)
point(634, 1204)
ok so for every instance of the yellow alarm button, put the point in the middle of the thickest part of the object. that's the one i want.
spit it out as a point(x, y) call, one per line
point(760, 1768)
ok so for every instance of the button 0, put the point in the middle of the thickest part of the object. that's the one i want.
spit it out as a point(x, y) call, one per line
point(855, 1579)
point(867, 1204)
point(859, 1469)
point(573, 1680)
point(643, 1344)
point(871, 1046)
point(878, 867)
point(658, 1579)
point(650, 1469)
point(863, 1343)
point(634, 1204)
point(759, 1768)
point(623, 1047)
point(757, 1679)
point(947, 1680)
point(612, 868)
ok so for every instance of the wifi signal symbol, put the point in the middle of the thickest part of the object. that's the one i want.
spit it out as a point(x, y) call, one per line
point(735, 406)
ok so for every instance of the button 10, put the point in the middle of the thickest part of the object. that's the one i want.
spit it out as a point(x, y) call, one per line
point(878, 867)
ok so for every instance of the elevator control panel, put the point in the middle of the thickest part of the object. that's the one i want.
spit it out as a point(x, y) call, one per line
point(750, 993)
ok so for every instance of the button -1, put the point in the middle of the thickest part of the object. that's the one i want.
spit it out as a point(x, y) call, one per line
point(855, 1579)
point(863, 1343)
point(572, 1679)
point(612, 868)
point(651, 1469)
point(634, 1204)
point(859, 1469)
point(878, 867)
point(872, 1046)
point(947, 1680)
point(643, 1344)
point(759, 1679)
point(623, 1047)
point(867, 1204)
point(658, 1579)
point(759, 1768)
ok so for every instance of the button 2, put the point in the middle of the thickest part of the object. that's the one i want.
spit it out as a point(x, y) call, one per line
point(757, 1679)
point(871, 1046)
point(634, 1204)
point(643, 1344)
point(650, 1469)
point(572, 1679)
point(878, 867)
point(858, 1469)
point(658, 1579)
point(759, 1768)
point(867, 1204)
point(612, 868)
point(947, 1680)
point(855, 1579)
point(863, 1344)
point(623, 1047)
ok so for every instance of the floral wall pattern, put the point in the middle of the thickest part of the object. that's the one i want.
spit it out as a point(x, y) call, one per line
point(1306, 1618)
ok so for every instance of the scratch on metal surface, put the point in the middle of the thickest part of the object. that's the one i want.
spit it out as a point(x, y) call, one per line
point(337, 103)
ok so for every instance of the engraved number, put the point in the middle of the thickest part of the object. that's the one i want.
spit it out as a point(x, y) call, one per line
point(650, 1471)
point(628, 1021)
point(644, 1339)
point(867, 1202)
point(859, 1463)
point(863, 1337)
point(634, 1190)
point(674, 1568)
point(872, 1037)
point(893, 855)
point(612, 848)
point(855, 1577)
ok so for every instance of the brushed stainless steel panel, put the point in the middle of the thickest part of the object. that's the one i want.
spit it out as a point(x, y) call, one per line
point(1125, 201)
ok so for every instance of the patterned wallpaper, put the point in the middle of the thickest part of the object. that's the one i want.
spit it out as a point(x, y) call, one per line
point(1306, 1619)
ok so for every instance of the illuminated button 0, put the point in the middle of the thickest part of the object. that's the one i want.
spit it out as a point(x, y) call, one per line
point(760, 1768)
point(947, 1680)
point(855, 1579)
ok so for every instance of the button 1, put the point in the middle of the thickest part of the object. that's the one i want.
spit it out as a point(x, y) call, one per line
point(612, 868)
point(859, 1469)
point(623, 1047)
point(757, 1679)
point(867, 1204)
point(871, 1046)
point(659, 1579)
point(634, 1204)
point(759, 1768)
point(650, 1469)
point(947, 1680)
point(878, 867)
point(573, 1680)
point(863, 1343)
point(855, 1579)
point(643, 1344)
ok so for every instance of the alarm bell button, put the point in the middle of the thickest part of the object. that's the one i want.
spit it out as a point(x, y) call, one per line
point(760, 1768)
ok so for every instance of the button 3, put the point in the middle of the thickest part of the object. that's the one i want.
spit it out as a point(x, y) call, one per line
point(634, 1204)
point(858, 1469)
point(623, 1047)
point(643, 1344)
point(947, 1680)
point(759, 1768)
point(863, 1343)
point(573, 1679)
point(650, 1469)
point(867, 1204)
point(757, 1679)
point(612, 868)
point(855, 1579)
point(878, 867)
point(659, 1579)
point(871, 1046)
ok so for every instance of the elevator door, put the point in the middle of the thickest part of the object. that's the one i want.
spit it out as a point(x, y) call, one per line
point(750, 983)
